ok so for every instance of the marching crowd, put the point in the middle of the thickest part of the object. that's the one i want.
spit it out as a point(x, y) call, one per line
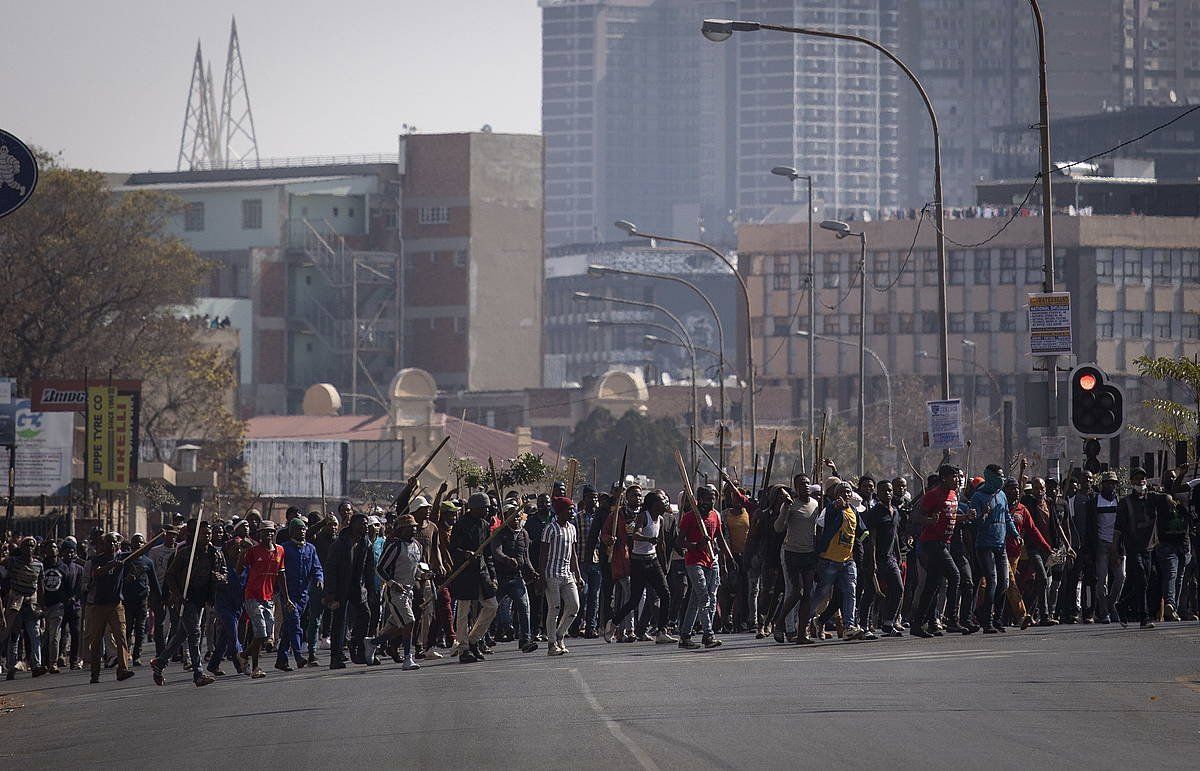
point(798, 563)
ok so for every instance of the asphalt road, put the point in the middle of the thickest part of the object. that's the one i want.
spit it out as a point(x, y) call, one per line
point(1102, 697)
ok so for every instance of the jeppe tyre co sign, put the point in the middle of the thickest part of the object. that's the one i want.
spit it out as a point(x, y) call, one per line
point(18, 173)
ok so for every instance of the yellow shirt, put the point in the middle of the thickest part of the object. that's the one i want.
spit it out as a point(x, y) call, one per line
point(737, 521)
point(841, 546)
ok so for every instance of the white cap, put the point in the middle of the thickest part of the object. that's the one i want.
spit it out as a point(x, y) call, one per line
point(420, 502)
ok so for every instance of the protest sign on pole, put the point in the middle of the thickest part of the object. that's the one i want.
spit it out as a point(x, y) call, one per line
point(945, 424)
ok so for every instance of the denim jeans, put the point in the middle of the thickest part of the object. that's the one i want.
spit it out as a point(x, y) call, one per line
point(514, 589)
point(1172, 563)
point(845, 576)
point(25, 620)
point(226, 644)
point(1108, 565)
point(51, 631)
point(590, 613)
point(993, 564)
point(189, 628)
point(703, 604)
point(678, 583)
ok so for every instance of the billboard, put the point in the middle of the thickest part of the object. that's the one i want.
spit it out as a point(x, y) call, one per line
point(43, 448)
point(283, 468)
point(111, 432)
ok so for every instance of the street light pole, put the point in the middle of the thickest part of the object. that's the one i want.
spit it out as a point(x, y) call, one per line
point(842, 230)
point(1047, 223)
point(632, 230)
point(887, 377)
point(792, 174)
point(601, 270)
point(586, 296)
point(718, 30)
point(970, 345)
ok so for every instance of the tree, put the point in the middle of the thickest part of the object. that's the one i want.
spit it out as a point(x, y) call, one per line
point(90, 279)
point(1173, 421)
point(651, 443)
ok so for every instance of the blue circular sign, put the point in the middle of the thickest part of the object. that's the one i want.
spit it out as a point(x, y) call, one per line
point(18, 173)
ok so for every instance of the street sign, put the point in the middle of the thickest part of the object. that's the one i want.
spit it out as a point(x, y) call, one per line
point(1050, 324)
point(945, 424)
point(1054, 447)
point(67, 395)
point(18, 173)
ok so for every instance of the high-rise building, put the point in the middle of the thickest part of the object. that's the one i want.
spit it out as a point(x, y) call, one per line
point(636, 118)
point(978, 61)
point(827, 107)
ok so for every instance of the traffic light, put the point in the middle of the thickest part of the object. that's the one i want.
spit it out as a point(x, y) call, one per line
point(1097, 408)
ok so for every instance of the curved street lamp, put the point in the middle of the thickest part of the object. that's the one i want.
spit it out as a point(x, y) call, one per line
point(596, 271)
point(632, 230)
point(793, 175)
point(842, 230)
point(887, 376)
point(719, 30)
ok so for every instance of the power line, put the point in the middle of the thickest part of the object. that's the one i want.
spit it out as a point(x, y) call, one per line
point(842, 299)
point(907, 257)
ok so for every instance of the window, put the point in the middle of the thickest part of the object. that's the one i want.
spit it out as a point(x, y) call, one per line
point(833, 324)
point(1104, 264)
point(1133, 264)
point(460, 258)
point(336, 211)
point(783, 326)
point(252, 214)
point(930, 323)
point(930, 269)
point(193, 217)
point(1034, 266)
point(906, 322)
point(958, 323)
point(983, 322)
point(1162, 325)
point(350, 212)
point(882, 268)
point(855, 323)
point(1132, 326)
point(1190, 326)
point(1008, 266)
point(1191, 264)
point(1104, 325)
point(832, 266)
point(433, 215)
point(881, 324)
point(1008, 321)
point(1161, 265)
point(958, 267)
point(781, 279)
point(983, 268)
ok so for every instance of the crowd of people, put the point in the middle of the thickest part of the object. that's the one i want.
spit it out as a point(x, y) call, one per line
point(797, 562)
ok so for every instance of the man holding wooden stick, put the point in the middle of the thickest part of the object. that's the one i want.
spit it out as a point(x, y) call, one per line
point(475, 581)
point(192, 578)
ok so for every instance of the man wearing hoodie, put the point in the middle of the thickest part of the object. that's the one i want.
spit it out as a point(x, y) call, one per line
point(938, 512)
point(994, 525)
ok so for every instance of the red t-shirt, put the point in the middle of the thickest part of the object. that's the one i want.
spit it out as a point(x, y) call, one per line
point(689, 526)
point(942, 503)
point(262, 566)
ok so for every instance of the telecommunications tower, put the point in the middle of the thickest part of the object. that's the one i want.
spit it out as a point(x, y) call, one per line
point(215, 139)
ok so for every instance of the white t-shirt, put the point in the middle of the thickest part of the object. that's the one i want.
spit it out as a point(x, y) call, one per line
point(1106, 517)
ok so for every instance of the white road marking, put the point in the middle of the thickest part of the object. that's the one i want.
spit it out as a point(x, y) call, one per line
point(644, 760)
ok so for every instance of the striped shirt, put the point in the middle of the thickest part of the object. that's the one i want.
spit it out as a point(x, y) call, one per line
point(24, 577)
point(559, 542)
point(399, 561)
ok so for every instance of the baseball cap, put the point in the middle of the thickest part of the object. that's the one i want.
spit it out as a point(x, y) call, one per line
point(420, 502)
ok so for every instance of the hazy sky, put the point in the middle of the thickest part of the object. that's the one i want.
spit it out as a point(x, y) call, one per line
point(106, 82)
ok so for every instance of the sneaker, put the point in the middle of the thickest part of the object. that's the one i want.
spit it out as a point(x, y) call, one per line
point(662, 638)
point(711, 641)
point(431, 655)
point(644, 637)
point(12, 675)
point(989, 629)
point(203, 680)
point(529, 647)
point(76, 664)
point(687, 643)
point(283, 666)
point(803, 639)
point(954, 628)
point(409, 665)
point(257, 674)
point(918, 631)
point(855, 633)
point(1001, 628)
point(1170, 614)
point(893, 631)
point(156, 670)
point(137, 661)
point(780, 637)
point(610, 630)
point(1047, 622)
point(869, 635)
point(95, 678)
point(562, 646)
point(323, 644)
point(591, 634)
point(54, 669)
point(39, 671)
point(336, 664)
point(554, 650)
point(218, 672)
point(1145, 625)
point(128, 673)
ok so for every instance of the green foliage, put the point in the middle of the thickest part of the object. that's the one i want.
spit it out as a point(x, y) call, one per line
point(651, 443)
point(525, 470)
point(1173, 421)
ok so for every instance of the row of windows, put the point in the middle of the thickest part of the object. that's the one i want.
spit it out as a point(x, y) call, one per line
point(193, 215)
point(1140, 264)
point(1159, 325)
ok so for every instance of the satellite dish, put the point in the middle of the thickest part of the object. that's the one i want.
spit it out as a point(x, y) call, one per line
point(487, 128)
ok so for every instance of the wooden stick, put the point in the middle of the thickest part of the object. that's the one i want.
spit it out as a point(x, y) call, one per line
point(412, 481)
point(572, 473)
point(324, 507)
point(187, 581)
point(687, 487)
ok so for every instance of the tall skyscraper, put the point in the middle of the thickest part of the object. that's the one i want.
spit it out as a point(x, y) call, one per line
point(636, 118)
point(827, 107)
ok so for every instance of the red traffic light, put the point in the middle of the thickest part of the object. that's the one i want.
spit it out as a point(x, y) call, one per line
point(1087, 381)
